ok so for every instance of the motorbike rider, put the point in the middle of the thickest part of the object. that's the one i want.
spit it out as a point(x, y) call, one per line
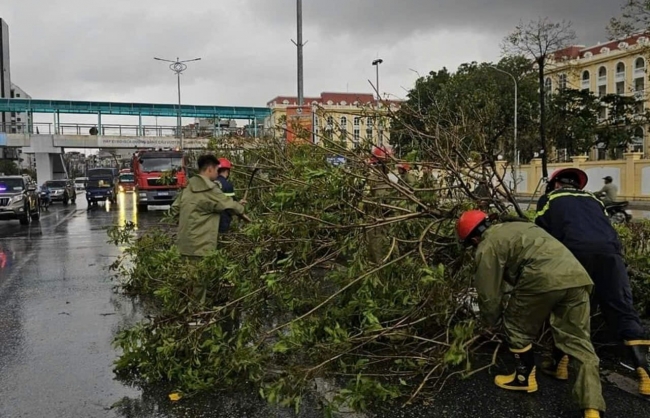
point(546, 281)
point(577, 219)
point(609, 192)
point(44, 194)
point(226, 186)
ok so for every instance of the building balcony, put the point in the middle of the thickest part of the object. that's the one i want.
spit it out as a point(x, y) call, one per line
point(639, 95)
point(602, 80)
point(620, 77)
point(585, 85)
point(639, 72)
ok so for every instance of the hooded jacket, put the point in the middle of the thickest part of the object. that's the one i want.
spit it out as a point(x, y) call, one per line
point(198, 208)
point(525, 258)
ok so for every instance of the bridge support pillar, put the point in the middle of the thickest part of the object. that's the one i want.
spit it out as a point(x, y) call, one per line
point(48, 158)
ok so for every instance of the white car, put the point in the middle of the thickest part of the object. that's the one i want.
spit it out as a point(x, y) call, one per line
point(80, 183)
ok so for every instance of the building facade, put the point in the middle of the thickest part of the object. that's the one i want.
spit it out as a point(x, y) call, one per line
point(617, 67)
point(352, 117)
point(5, 72)
point(20, 122)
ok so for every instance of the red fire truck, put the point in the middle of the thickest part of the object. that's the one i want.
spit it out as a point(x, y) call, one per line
point(158, 176)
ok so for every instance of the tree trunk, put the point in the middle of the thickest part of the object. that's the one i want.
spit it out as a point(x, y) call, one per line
point(542, 116)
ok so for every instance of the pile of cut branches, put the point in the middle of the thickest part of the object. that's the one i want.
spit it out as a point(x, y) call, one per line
point(294, 295)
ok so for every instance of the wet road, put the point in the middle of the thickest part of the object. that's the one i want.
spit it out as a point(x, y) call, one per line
point(59, 313)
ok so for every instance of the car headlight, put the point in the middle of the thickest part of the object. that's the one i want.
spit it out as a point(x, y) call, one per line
point(121, 188)
point(16, 199)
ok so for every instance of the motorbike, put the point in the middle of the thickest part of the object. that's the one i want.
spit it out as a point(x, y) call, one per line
point(617, 212)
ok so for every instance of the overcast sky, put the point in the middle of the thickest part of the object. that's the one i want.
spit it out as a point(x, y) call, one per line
point(103, 50)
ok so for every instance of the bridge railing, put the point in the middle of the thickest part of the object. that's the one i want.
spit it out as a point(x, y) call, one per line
point(89, 129)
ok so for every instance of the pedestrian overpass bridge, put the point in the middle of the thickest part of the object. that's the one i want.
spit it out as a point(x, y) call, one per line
point(48, 141)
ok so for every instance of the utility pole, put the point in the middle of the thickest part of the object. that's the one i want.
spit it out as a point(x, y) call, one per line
point(178, 67)
point(299, 44)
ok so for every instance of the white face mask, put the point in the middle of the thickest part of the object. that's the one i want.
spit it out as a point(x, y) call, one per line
point(393, 178)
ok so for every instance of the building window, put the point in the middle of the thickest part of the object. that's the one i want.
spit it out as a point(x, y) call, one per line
point(620, 69)
point(548, 86)
point(638, 140)
point(563, 82)
point(357, 129)
point(639, 64)
point(330, 123)
point(369, 123)
point(639, 68)
point(344, 124)
point(586, 79)
point(602, 76)
point(602, 91)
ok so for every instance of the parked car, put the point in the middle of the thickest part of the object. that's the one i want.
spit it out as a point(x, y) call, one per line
point(19, 199)
point(80, 183)
point(62, 191)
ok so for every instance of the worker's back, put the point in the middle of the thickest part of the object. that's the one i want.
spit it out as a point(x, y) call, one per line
point(534, 261)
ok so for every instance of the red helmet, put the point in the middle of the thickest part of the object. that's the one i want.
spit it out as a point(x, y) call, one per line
point(224, 163)
point(468, 222)
point(572, 176)
point(404, 166)
point(381, 153)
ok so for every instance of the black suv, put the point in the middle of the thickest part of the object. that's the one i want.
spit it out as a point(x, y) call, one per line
point(18, 199)
point(62, 191)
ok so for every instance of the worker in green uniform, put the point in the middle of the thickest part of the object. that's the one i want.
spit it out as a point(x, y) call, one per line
point(198, 208)
point(404, 171)
point(546, 281)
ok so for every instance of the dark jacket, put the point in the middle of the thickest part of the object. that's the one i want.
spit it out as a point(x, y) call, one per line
point(578, 220)
point(229, 190)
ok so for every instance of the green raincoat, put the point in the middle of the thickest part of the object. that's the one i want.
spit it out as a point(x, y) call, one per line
point(197, 208)
point(546, 282)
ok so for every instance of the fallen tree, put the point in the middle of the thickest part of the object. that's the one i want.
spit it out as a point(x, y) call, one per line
point(293, 296)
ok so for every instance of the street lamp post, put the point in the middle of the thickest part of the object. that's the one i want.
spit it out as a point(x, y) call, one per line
point(178, 67)
point(376, 63)
point(515, 157)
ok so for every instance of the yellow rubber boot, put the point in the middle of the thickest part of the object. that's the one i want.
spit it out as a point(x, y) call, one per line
point(523, 379)
point(592, 413)
point(639, 351)
point(557, 366)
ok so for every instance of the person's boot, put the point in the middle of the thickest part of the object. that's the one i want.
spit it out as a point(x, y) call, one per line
point(591, 413)
point(639, 351)
point(523, 379)
point(557, 366)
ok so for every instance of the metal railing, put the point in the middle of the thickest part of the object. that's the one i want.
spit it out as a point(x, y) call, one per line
point(87, 129)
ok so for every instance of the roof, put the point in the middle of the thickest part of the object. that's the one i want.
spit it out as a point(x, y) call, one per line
point(580, 51)
point(132, 109)
point(329, 98)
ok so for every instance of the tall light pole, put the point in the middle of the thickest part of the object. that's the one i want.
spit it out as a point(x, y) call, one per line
point(299, 44)
point(178, 67)
point(514, 157)
point(376, 63)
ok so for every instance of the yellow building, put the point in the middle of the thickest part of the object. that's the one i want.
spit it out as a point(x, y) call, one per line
point(616, 67)
point(352, 116)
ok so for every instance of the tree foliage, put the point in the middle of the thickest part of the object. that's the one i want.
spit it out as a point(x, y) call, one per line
point(538, 40)
point(635, 17)
point(478, 97)
point(580, 120)
point(9, 167)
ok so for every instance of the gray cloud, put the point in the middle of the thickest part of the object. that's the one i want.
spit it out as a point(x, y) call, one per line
point(381, 19)
point(100, 50)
